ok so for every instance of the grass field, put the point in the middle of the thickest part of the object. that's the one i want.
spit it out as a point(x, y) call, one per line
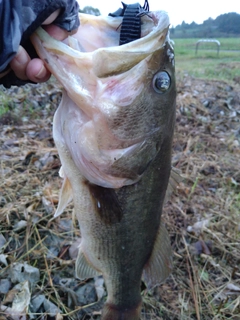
point(207, 64)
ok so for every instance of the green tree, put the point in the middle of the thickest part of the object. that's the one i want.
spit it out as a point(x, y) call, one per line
point(90, 10)
point(209, 22)
point(229, 22)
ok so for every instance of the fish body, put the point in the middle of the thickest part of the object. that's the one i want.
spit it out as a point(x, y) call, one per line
point(113, 131)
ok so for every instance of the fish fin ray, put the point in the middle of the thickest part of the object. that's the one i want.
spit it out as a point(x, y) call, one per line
point(65, 197)
point(82, 267)
point(159, 265)
point(174, 180)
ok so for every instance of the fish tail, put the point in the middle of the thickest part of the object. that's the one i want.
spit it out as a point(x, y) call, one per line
point(113, 312)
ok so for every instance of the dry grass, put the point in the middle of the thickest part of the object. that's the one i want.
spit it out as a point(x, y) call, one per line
point(202, 217)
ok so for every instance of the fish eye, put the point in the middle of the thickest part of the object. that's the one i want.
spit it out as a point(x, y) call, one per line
point(161, 82)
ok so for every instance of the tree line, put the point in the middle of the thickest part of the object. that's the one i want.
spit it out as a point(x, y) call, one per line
point(90, 10)
point(225, 25)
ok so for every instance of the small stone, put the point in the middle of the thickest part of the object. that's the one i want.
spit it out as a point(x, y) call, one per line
point(50, 308)
point(20, 272)
point(22, 224)
point(2, 241)
point(3, 259)
point(5, 285)
point(86, 294)
point(36, 302)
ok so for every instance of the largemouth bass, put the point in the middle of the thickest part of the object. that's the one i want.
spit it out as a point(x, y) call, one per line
point(113, 131)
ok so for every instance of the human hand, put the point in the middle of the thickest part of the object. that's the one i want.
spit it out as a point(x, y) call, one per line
point(26, 68)
point(19, 63)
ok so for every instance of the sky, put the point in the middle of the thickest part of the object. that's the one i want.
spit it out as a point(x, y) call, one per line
point(178, 10)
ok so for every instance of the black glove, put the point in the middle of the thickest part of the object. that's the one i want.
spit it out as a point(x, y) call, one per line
point(20, 18)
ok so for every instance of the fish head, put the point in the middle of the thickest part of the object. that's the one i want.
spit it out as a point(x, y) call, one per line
point(120, 100)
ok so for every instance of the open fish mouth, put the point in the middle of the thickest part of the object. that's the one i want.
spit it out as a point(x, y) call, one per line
point(106, 84)
point(99, 36)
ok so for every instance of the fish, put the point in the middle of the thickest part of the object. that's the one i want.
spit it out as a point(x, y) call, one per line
point(113, 131)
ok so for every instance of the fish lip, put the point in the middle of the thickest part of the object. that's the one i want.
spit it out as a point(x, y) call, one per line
point(156, 33)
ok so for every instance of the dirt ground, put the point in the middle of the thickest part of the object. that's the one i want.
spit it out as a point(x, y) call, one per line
point(202, 216)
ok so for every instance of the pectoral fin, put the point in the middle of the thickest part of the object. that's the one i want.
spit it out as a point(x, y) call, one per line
point(65, 197)
point(159, 265)
point(82, 267)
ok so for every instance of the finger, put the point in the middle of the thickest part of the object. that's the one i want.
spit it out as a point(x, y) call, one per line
point(19, 63)
point(36, 71)
point(52, 17)
point(58, 33)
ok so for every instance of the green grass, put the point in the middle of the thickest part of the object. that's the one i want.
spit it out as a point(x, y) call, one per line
point(207, 63)
point(226, 43)
point(4, 103)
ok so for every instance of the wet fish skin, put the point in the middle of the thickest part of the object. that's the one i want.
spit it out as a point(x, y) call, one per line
point(136, 234)
point(122, 234)
point(120, 227)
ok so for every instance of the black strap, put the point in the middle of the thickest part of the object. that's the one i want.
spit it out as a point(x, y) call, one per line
point(131, 23)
